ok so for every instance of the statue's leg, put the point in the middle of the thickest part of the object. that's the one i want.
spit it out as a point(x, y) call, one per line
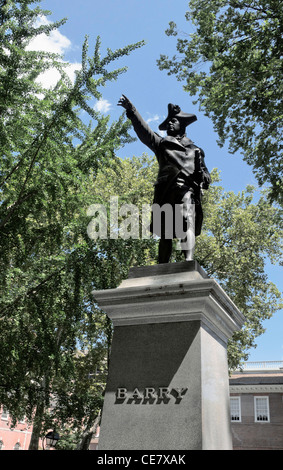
point(188, 246)
point(165, 250)
point(188, 241)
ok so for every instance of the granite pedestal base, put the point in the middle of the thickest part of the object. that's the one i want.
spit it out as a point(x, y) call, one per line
point(168, 384)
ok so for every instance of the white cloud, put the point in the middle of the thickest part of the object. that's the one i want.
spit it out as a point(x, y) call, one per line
point(153, 119)
point(49, 78)
point(102, 106)
point(56, 43)
point(72, 68)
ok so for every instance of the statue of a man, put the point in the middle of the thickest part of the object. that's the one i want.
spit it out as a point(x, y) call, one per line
point(181, 178)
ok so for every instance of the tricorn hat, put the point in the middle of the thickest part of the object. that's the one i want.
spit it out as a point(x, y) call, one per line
point(175, 111)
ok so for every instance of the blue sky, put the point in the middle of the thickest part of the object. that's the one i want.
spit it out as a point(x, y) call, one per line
point(119, 23)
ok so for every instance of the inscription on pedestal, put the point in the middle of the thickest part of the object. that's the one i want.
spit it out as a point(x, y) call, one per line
point(150, 395)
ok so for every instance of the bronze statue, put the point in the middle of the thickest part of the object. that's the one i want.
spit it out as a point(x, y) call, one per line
point(181, 178)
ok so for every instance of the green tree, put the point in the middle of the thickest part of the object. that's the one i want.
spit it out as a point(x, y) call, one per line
point(232, 63)
point(241, 232)
point(77, 403)
point(47, 272)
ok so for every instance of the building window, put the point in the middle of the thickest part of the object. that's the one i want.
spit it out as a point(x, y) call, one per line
point(235, 408)
point(261, 409)
point(5, 414)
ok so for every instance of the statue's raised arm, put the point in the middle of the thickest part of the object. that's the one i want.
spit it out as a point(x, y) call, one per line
point(125, 102)
point(142, 129)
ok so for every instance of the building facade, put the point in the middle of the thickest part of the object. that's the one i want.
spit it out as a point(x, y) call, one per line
point(256, 397)
point(13, 437)
point(256, 404)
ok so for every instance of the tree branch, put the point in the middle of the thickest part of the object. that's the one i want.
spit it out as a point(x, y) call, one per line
point(31, 291)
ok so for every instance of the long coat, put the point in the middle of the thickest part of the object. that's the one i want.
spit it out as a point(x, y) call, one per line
point(175, 156)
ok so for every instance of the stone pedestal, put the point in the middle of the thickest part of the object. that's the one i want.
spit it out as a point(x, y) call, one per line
point(168, 383)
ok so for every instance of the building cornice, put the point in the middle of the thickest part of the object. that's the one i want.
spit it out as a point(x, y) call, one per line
point(266, 388)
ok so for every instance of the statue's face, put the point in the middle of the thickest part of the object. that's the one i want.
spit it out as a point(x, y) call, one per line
point(173, 127)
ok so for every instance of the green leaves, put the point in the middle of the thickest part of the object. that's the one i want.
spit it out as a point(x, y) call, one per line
point(240, 232)
point(48, 267)
point(232, 64)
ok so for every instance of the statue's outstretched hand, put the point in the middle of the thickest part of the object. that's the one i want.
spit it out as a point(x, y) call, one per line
point(125, 102)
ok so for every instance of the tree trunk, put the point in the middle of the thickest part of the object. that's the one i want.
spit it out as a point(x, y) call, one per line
point(37, 425)
point(87, 435)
